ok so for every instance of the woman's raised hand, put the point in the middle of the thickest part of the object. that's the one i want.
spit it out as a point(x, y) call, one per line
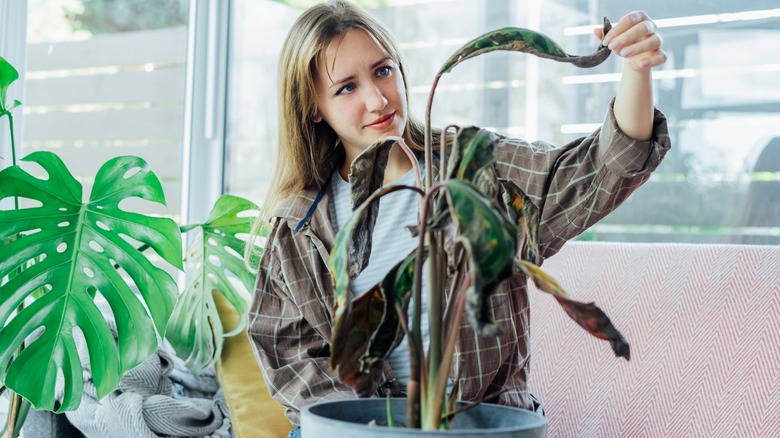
point(635, 39)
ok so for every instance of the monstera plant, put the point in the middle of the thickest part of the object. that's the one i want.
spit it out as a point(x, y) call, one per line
point(60, 254)
point(463, 234)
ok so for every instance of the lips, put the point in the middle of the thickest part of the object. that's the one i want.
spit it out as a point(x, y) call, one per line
point(383, 122)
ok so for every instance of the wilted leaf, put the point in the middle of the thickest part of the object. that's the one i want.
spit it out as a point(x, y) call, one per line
point(526, 217)
point(340, 269)
point(76, 246)
point(491, 240)
point(587, 315)
point(528, 41)
point(372, 328)
point(367, 173)
point(215, 264)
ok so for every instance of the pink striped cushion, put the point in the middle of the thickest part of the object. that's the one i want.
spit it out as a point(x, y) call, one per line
point(703, 322)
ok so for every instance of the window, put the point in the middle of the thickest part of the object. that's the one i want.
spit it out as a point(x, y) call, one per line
point(106, 79)
point(719, 184)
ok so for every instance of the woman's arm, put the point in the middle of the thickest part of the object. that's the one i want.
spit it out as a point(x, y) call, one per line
point(634, 38)
point(292, 355)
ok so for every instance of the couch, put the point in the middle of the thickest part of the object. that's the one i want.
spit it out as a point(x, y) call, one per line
point(703, 322)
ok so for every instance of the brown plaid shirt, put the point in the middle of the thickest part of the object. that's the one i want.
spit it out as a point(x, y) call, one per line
point(290, 319)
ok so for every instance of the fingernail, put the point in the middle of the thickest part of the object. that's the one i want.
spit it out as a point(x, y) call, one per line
point(625, 52)
point(644, 63)
point(612, 45)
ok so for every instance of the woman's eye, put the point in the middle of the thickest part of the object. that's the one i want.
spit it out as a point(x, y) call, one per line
point(346, 88)
point(384, 71)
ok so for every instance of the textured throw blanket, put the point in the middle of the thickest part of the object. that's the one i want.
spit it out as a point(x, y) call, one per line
point(159, 398)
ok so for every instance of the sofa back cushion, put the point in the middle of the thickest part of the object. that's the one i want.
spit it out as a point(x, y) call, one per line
point(703, 322)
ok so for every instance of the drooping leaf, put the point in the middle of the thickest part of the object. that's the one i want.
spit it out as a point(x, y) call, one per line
point(8, 75)
point(587, 315)
point(491, 240)
point(340, 269)
point(528, 41)
point(526, 217)
point(76, 246)
point(214, 265)
point(367, 172)
point(475, 151)
point(373, 327)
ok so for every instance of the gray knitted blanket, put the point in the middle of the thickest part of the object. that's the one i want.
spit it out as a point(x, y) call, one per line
point(159, 398)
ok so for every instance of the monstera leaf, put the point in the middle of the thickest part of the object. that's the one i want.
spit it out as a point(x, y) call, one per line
point(8, 75)
point(195, 330)
point(80, 251)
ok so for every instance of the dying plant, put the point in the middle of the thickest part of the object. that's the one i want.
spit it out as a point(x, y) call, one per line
point(466, 240)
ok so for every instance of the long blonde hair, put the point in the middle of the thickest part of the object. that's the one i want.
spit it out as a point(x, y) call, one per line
point(304, 145)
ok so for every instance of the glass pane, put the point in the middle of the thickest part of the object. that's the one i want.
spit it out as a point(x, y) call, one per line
point(107, 78)
point(719, 184)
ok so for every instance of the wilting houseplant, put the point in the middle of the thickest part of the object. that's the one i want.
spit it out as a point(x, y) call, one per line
point(59, 252)
point(466, 239)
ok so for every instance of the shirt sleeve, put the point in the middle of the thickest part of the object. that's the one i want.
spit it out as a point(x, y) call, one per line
point(293, 357)
point(578, 184)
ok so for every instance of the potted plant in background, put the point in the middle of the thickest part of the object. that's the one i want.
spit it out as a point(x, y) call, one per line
point(59, 253)
point(466, 239)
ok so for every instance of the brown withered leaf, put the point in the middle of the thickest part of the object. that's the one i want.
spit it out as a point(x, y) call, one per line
point(587, 315)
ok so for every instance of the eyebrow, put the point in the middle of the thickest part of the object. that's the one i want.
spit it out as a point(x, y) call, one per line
point(352, 77)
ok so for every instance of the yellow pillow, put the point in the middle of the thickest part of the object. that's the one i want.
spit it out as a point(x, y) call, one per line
point(253, 412)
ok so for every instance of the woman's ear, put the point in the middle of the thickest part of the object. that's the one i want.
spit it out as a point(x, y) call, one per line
point(317, 117)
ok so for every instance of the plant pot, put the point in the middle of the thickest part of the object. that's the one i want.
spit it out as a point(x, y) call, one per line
point(350, 418)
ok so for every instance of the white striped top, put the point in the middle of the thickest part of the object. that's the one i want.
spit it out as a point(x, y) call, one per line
point(392, 242)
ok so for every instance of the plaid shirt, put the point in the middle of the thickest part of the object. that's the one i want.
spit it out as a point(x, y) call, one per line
point(291, 319)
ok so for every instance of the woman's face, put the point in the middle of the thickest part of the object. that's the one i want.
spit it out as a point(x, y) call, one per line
point(360, 91)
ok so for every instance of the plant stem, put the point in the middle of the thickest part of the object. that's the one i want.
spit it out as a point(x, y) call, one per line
point(13, 151)
point(440, 385)
point(15, 400)
point(429, 135)
point(417, 291)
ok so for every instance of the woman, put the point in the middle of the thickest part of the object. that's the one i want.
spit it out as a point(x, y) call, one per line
point(342, 86)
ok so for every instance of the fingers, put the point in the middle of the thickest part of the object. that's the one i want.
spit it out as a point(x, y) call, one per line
point(634, 37)
point(628, 21)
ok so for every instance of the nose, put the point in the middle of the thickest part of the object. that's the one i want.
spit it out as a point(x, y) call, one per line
point(375, 99)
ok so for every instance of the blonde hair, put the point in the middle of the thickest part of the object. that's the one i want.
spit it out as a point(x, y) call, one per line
point(304, 145)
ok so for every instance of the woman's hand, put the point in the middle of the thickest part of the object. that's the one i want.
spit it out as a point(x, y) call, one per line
point(635, 39)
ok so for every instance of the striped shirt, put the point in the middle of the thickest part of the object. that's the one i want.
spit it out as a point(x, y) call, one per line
point(291, 319)
point(391, 243)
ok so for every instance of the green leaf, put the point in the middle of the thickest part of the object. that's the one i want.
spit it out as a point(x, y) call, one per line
point(528, 41)
point(75, 246)
point(475, 158)
point(8, 75)
point(215, 264)
point(491, 241)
